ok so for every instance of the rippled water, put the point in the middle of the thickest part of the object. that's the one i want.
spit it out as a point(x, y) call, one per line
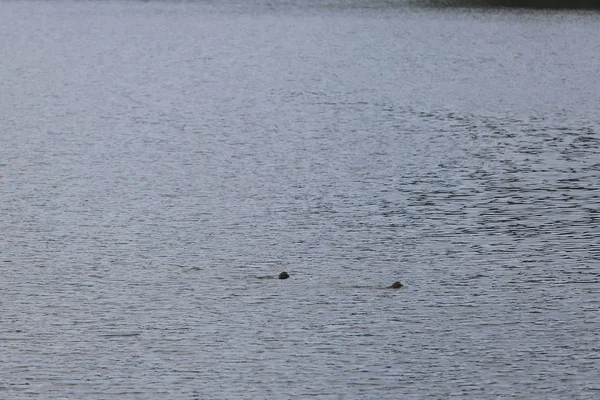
point(159, 158)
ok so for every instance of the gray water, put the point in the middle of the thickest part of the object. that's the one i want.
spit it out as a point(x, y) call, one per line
point(158, 158)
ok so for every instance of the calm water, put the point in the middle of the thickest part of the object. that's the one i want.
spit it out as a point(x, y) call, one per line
point(158, 158)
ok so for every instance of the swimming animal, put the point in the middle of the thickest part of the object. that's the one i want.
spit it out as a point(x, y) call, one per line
point(396, 285)
point(283, 275)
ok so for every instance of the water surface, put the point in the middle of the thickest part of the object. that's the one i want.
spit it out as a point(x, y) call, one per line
point(157, 158)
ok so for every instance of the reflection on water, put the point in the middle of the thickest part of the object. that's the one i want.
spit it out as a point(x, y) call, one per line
point(160, 159)
point(533, 4)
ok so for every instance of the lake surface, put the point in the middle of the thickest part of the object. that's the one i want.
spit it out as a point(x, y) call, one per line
point(159, 159)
